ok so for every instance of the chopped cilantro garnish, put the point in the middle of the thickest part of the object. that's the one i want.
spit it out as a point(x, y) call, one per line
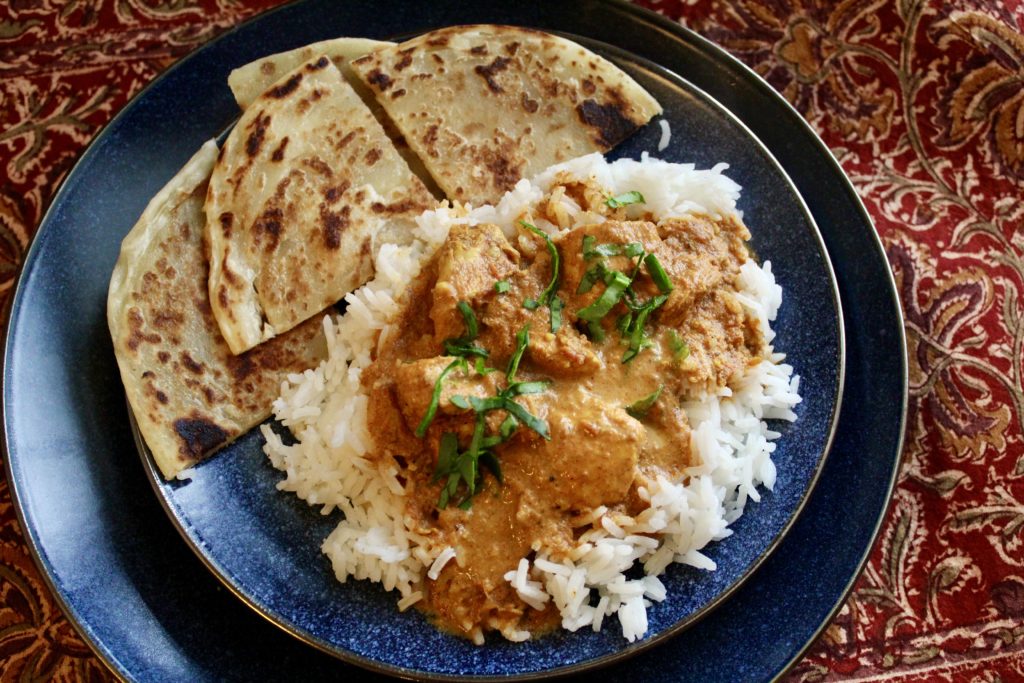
point(680, 349)
point(436, 396)
point(522, 341)
point(658, 274)
point(556, 313)
point(548, 294)
point(625, 199)
point(638, 409)
point(464, 346)
point(637, 338)
point(609, 297)
point(502, 286)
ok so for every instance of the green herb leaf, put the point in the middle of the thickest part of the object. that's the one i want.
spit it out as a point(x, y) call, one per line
point(588, 247)
point(522, 341)
point(637, 338)
point(594, 274)
point(638, 409)
point(680, 349)
point(447, 452)
point(523, 415)
point(625, 199)
point(633, 249)
point(460, 401)
point(524, 388)
point(531, 304)
point(456, 347)
point(436, 396)
point(609, 297)
point(556, 313)
point(658, 273)
point(508, 426)
point(490, 461)
point(468, 317)
point(502, 286)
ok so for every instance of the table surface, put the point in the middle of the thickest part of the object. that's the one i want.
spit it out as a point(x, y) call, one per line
point(921, 101)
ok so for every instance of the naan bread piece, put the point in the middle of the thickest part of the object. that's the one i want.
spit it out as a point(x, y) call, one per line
point(484, 106)
point(250, 81)
point(189, 393)
point(303, 185)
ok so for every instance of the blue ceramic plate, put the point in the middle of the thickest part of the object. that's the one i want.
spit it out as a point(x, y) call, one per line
point(265, 544)
point(150, 608)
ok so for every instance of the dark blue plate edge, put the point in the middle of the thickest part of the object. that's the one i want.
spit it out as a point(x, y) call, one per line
point(662, 24)
point(164, 490)
point(706, 46)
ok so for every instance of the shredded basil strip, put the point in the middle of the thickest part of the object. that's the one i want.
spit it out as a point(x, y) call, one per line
point(472, 329)
point(680, 349)
point(523, 415)
point(658, 274)
point(436, 396)
point(522, 341)
point(524, 388)
point(447, 452)
point(556, 313)
point(625, 199)
point(452, 347)
point(502, 286)
point(637, 339)
point(638, 409)
point(464, 346)
point(609, 297)
point(591, 250)
point(594, 274)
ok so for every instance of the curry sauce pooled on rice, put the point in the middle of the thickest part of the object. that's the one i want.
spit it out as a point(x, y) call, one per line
point(536, 396)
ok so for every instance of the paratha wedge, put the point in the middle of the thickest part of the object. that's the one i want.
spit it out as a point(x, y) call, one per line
point(302, 186)
point(189, 393)
point(484, 106)
point(251, 80)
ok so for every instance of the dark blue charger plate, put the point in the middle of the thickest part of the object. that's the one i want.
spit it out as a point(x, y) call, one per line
point(149, 607)
point(265, 545)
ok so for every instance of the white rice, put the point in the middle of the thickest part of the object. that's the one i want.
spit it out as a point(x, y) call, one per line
point(326, 411)
point(666, 135)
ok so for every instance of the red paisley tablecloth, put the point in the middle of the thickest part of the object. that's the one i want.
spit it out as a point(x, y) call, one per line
point(923, 104)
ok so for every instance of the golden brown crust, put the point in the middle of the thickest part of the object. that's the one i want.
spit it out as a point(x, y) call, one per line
point(484, 106)
point(189, 394)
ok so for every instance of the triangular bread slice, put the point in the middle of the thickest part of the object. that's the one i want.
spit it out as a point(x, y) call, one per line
point(189, 393)
point(303, 185)
point(484, 106)
point(251, 80)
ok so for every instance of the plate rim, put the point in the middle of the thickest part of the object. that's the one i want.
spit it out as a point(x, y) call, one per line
point(661, 24)
point(165, 490)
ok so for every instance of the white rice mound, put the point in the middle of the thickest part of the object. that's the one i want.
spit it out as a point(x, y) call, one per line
point(325, 409)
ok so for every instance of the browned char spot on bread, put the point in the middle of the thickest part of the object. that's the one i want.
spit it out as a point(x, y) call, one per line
point(610, 123)
point(489, 71)
point(198, 435)
point(286, 88)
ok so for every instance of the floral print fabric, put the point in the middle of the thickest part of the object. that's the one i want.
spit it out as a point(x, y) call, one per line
point(921, 101)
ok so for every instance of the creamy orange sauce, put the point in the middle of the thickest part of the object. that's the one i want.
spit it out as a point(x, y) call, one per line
point(598, 454)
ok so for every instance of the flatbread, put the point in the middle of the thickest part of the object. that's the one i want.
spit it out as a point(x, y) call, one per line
point(252, 80)
point(484, 106)
point(303, 185)
point(189, 394)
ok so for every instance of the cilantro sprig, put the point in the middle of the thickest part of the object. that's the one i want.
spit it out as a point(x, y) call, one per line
point(461, 468)
point(547, 297)
point(619, 288)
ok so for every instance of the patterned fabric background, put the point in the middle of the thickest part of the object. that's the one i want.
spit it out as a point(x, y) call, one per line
point(922, 102)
